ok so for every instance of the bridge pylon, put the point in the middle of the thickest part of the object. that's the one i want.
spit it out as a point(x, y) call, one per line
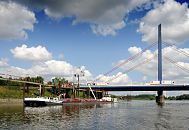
point(160, 96)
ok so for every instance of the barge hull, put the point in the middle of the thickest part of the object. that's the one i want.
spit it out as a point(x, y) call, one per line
point(40, 103)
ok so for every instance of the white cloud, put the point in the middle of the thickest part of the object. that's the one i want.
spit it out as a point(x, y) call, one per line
point(57, 68)
point(118, 78)
point(38, 53)
point(42, 64)
point(170, 71)
point(98, 11)
point(15, 21)
point(134, 50)
point(104, 16)
point(48, 69)
point(105, 30)
point(54, 67)
point(174, 18)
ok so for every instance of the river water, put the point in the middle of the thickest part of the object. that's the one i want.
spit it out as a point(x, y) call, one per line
point(133, 115)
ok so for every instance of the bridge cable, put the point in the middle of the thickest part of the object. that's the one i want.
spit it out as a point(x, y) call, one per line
point(172, 61)
point(179, 51)
point(176, 64)
point(132, 68)
point(126, 61)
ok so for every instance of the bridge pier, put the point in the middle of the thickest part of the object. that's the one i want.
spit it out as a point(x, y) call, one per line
point(160, 98)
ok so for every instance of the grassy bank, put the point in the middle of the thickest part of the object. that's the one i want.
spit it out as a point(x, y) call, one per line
point(11, 92)
point(16, 92)
point(11, 101)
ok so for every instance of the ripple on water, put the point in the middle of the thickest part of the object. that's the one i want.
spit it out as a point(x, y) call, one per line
point(143, 115)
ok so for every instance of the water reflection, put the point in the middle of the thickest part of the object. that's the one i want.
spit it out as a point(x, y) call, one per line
point(70, 110)
point(68, 116)
point(163, 119)
point(8, 108)
point(10, 115)
point(124, 115)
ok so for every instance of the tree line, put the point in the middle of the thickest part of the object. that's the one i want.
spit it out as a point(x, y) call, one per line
point(180, 97)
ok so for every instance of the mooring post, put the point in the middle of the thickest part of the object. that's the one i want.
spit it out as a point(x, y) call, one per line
point(59, 87)
point(78, 85)
point(24, 85)
point(160, 97)
point(43, 90)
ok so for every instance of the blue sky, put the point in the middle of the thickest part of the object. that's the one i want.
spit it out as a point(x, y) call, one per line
point(93, 35)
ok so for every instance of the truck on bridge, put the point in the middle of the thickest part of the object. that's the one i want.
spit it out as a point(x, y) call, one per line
point(166, 82)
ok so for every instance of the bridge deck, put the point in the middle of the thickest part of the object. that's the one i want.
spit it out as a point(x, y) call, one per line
point(140, 87)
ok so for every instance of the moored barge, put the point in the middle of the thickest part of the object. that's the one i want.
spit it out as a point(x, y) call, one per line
point(46, 101)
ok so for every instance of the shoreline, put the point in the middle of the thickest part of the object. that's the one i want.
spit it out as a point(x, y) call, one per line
point(11, 101)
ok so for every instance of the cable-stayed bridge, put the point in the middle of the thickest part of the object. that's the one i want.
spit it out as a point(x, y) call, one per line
point(146, 87)
point(150, 87)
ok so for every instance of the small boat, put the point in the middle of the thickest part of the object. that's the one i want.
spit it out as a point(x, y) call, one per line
point(42, 101)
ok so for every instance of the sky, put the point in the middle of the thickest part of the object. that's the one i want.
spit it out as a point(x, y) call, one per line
point(59, 38)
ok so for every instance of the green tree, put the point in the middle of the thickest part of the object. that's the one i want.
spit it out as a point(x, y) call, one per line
point(39, 79)
point(58, 80)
